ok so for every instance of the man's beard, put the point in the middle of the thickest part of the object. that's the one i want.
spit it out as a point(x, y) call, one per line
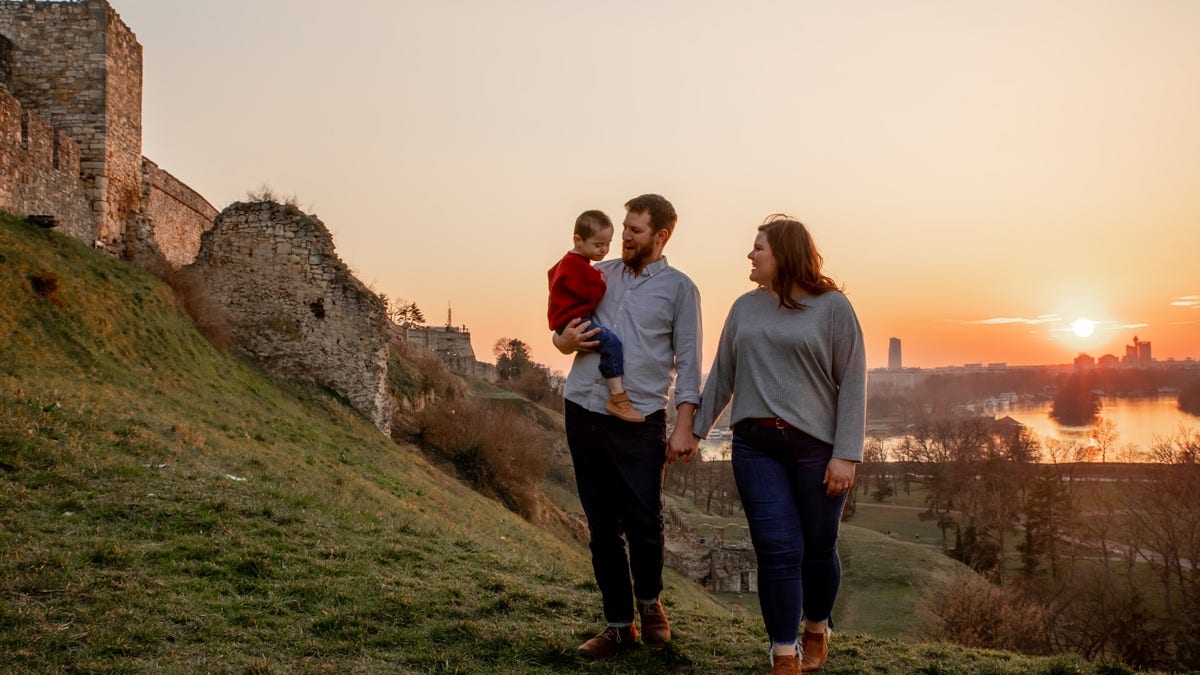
point(639, 257)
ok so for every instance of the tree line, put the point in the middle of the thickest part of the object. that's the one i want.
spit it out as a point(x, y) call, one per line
point(1076, 551)
point(1105, 557)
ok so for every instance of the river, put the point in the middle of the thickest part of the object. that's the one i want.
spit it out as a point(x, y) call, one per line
point(1138, 422)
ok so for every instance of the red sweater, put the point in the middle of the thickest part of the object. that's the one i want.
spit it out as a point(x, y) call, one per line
point(575, 289)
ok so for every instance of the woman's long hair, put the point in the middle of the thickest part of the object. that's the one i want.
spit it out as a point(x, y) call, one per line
point(797, 261)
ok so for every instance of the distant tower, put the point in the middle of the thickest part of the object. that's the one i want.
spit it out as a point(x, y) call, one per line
point(1137, 355)
point(449, 315)
point(1145, 359)
point(894, 361)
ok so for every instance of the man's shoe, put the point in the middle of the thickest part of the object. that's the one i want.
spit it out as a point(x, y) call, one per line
point(609, 642)
point(785, 664)
point(656, 630)
point(619, 406)
point(814, 650)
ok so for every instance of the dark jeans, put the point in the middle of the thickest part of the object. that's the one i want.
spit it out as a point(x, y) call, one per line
point(619, 473)
point(793, 524)
point(612, 352)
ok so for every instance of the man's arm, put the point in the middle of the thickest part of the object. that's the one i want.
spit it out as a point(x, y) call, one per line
point(576, 337)
point(683, 444)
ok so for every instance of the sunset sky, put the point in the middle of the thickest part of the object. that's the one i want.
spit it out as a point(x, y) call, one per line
point(979, 175)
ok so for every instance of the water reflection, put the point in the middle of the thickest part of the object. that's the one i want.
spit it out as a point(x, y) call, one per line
point(1139, 423)
point(1138, 420)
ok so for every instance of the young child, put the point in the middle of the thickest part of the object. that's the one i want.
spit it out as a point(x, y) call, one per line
point(576, 288)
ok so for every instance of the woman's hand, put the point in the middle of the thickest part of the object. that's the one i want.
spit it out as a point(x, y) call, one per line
point(839, 476)
point(576, 337)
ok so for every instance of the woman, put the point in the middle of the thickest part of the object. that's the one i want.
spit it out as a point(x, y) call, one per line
point(791, 358)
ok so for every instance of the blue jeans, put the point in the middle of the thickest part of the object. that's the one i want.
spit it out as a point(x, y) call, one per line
point(619, 473)
point(612, 352)
point(793, 524)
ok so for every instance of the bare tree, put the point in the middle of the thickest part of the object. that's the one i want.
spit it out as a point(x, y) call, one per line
point(1104, 437)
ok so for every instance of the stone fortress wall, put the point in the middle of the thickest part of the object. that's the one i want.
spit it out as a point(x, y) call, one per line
point(78, 67)
point(39, 169)
point(172, 220)
point(71, 149)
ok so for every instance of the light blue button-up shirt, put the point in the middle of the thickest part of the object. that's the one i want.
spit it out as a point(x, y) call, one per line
point(657, 316)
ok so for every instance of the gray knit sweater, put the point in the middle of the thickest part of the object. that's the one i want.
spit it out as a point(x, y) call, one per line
point(807, 367)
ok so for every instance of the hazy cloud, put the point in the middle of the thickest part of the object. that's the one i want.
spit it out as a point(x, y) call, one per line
point(1186, 301)
point(1000, 320)
point(1133, 325)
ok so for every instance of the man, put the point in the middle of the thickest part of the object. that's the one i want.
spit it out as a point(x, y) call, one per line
point(655, 309)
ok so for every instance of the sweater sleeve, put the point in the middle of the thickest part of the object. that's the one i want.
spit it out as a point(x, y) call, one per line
point(850, 374)
point(718, 388)
point(585, 283)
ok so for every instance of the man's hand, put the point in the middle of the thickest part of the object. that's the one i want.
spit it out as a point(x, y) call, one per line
point(839, 476)
point(576, 337)
point(682, 443)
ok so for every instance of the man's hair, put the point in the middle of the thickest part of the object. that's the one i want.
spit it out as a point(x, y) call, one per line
point(796, 260)
point(662, 214)
point(590, 222)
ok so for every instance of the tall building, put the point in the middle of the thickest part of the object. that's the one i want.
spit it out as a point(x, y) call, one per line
point(1137, 355)
point(894, 360)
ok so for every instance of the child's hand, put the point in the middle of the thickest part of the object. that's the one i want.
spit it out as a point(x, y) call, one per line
point(603, 276)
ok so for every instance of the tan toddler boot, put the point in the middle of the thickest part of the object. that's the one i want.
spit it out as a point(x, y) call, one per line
point(619, 406)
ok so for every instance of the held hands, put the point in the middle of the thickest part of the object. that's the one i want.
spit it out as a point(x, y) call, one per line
point(682, 444)
point(839, 476)
point(576, 337)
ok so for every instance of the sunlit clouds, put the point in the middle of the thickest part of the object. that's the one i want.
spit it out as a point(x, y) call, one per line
point(1003, 320)
point(1192, 301)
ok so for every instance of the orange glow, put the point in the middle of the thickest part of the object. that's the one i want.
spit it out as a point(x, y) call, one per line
point(974, 206)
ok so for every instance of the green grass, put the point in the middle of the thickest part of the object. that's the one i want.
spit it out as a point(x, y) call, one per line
point(901, 524)
point(166, 507)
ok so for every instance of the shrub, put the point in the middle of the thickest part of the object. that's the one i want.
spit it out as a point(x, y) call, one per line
point(188, 288)
point(492, 446)
point(209, 317)
point(978, 614)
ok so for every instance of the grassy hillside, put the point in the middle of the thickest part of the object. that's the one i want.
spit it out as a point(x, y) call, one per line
point(165, 507)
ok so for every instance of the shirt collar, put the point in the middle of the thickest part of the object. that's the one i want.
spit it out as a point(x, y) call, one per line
point(651, 269)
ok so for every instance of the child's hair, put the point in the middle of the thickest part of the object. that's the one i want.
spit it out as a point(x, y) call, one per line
point(590, 222)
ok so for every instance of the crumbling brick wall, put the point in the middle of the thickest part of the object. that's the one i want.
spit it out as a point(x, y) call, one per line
point(172, 220)
point(293, 306)
point(39, 170)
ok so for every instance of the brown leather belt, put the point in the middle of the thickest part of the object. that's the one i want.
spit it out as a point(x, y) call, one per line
point(773, 422)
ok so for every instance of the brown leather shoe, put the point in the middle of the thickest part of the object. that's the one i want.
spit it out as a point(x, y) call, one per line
point(785, 664)
point(656, 630)
point(609, 642)
point(619, 406)
point(814, 650)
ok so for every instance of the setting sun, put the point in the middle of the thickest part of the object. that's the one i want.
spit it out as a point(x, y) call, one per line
point(1083, 327)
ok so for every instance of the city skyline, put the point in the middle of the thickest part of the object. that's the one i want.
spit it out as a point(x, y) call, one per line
point(1138, 354)
point(997, 182)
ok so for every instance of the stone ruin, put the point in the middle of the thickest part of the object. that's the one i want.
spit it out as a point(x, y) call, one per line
point(70, 157)
point(293, 306)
